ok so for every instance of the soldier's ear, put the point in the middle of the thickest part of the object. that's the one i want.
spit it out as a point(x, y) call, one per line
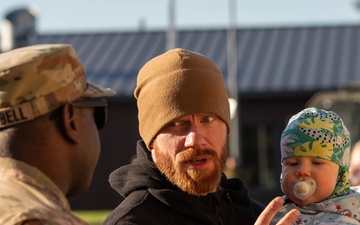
point(69, 123)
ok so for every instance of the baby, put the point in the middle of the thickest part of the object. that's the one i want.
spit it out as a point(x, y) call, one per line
point(315, 156)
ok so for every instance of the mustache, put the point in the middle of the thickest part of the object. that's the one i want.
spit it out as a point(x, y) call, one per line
point(191, 153)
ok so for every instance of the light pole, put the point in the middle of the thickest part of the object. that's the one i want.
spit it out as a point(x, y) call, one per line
point(232, 83)
point(171, 31)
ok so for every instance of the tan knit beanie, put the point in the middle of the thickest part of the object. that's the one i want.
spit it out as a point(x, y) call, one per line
point(177, 83)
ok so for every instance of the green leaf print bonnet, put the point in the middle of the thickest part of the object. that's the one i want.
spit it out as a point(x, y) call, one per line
point(319, 133)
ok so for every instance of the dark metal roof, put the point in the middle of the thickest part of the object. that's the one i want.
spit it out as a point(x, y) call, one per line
point(287, 59)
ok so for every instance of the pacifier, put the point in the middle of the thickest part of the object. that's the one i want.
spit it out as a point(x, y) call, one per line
point(304, 189)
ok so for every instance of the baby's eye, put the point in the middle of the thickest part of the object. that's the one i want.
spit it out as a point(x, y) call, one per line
point(290, 163)
point(317, 163)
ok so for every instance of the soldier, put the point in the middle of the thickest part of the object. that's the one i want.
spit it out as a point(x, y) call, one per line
point(48, 133)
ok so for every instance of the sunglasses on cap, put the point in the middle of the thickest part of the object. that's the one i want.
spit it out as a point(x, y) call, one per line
point(100, 110)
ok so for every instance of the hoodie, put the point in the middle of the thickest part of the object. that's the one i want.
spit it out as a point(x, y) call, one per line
point(152, 200)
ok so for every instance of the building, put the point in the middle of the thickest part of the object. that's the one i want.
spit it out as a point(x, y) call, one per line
point(279, 69)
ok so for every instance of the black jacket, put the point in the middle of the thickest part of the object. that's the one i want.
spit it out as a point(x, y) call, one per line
point(151, 199)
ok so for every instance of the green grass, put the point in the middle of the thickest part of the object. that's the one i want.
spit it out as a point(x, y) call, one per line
point(93, 217)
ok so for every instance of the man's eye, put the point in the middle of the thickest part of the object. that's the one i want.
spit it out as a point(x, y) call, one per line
point(173, 124)
point(207, 119)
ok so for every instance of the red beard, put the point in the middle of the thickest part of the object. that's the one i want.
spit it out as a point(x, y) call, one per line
point(190, 180)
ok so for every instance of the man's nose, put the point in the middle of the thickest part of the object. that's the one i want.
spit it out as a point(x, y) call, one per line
point(195, 138)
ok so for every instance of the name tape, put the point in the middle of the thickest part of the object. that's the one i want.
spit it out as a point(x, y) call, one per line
point(17, 114)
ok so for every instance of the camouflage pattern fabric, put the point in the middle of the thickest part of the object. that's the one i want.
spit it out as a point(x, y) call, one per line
point(26, 193)
point(37, 79)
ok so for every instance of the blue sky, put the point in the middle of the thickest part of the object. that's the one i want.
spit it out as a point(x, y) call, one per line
point(126, 15)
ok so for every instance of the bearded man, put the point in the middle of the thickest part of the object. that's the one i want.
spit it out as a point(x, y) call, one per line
point(184, 121)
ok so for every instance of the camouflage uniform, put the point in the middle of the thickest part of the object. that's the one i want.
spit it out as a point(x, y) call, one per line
point(36, 80)
point(26, 193)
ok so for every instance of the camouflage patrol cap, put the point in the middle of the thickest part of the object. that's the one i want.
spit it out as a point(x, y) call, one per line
point(37, 79)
